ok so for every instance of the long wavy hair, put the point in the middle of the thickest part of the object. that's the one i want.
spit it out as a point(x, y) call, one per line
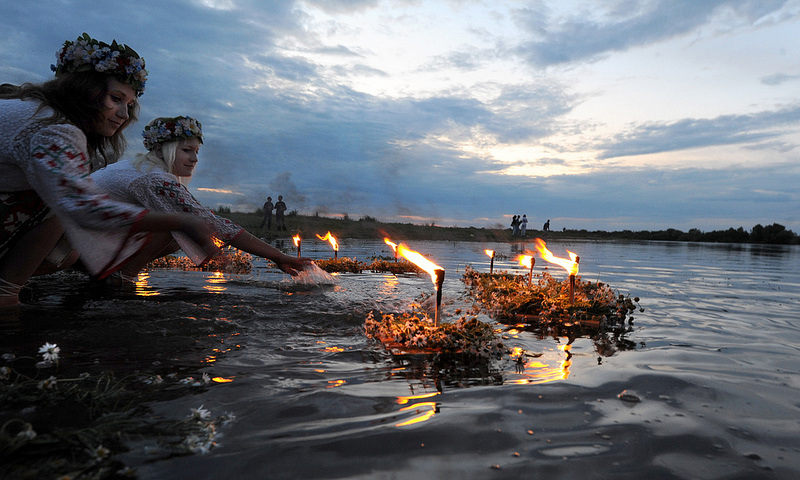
point(78, 98)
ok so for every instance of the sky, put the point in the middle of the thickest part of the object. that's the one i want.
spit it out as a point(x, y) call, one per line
point(599, 115)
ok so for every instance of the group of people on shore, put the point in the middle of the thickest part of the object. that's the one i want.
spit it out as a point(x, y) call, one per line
point(280, 209)
point(519, 225)
point(66, 198)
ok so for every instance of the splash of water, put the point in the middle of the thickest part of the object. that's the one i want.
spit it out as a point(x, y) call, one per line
point(313, 275)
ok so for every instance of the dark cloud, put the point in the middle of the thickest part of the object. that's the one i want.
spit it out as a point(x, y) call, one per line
point(693, 133)
point(626, 24)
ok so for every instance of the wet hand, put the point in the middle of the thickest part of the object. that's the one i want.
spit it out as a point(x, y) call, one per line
point(293, 265)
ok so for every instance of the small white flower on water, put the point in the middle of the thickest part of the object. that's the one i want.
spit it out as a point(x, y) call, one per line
point(201, 413)
point(100, 453)
point(48, 383)
point(206, 378)
point(49, 352)
point(197, 444)
point(127, 472)
point(27, 433)
point(8, 357)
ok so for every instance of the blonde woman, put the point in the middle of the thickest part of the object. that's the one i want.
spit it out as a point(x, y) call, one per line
point(157, 181)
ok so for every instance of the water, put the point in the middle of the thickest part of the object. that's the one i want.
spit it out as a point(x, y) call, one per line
point(714, 361)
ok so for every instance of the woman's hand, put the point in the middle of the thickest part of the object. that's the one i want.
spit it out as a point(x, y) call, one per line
point(292, 265)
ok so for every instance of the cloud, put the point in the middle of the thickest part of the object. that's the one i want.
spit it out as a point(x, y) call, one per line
point(779, 78)
point(625, 25)
point(692, 133)
point(278, 93)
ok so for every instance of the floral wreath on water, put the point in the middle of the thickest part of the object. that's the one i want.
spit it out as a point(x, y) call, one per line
point(162, 130)
point(86, 54)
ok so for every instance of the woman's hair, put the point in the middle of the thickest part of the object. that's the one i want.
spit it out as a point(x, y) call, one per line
point(79, 99)
point(147, 162)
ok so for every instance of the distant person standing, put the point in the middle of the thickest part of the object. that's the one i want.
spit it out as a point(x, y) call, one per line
point(515, 225)
point(280, 208)
point(523, 224)
point(546, 226)
point(267, 214)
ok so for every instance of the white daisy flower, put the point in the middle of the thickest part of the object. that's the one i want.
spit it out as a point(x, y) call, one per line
point(49, 352)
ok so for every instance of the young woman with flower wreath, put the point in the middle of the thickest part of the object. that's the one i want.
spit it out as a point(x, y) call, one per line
point(52, 135)
point(157, 181)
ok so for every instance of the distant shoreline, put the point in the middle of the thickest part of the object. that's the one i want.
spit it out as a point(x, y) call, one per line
point(370, 228)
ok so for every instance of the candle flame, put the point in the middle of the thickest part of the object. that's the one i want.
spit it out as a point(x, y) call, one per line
point(490, 253)
point(296, 239)
point(416, 258)
point(391, 244)
point(525, 260)
point(571, 265)
point(330, 238)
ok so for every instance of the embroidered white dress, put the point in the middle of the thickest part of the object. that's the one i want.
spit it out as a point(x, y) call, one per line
point(160, 191)
point(53, 161)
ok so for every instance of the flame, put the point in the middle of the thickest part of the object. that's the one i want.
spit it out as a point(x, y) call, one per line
point(525, 260)
point(296, 239)
point(417, 259)
point(391, 244)
point(571, 266)
point(489, 252)
point(331, 239)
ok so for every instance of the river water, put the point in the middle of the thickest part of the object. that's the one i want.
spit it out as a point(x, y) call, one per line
point(714, 362)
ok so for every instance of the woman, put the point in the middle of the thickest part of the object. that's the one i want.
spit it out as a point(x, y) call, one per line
point(156, 180)
point(52, 135)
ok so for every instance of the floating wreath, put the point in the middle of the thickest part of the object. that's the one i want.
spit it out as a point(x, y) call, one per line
point(546, 300)
point(230, 260)
point(351, 265)
point(412, 333)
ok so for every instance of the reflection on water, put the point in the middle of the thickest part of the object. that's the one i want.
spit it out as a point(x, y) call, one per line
point(550, 365)
point(216, 283)
point(715, 361)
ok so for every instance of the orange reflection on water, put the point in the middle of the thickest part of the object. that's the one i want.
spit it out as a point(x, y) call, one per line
point(333, 349)
point(543, 369)
point(142, 286)
point(216, 283)
point(405, 399)
point(389, 285)
point(336, 383)
point(426, 410)
point(221, 380)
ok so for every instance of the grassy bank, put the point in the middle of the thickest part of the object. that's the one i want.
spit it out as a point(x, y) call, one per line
point(370, 228)
point(309, 225)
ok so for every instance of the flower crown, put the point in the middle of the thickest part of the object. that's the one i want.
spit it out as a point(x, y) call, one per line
point(86, 53)
point(162, 130)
